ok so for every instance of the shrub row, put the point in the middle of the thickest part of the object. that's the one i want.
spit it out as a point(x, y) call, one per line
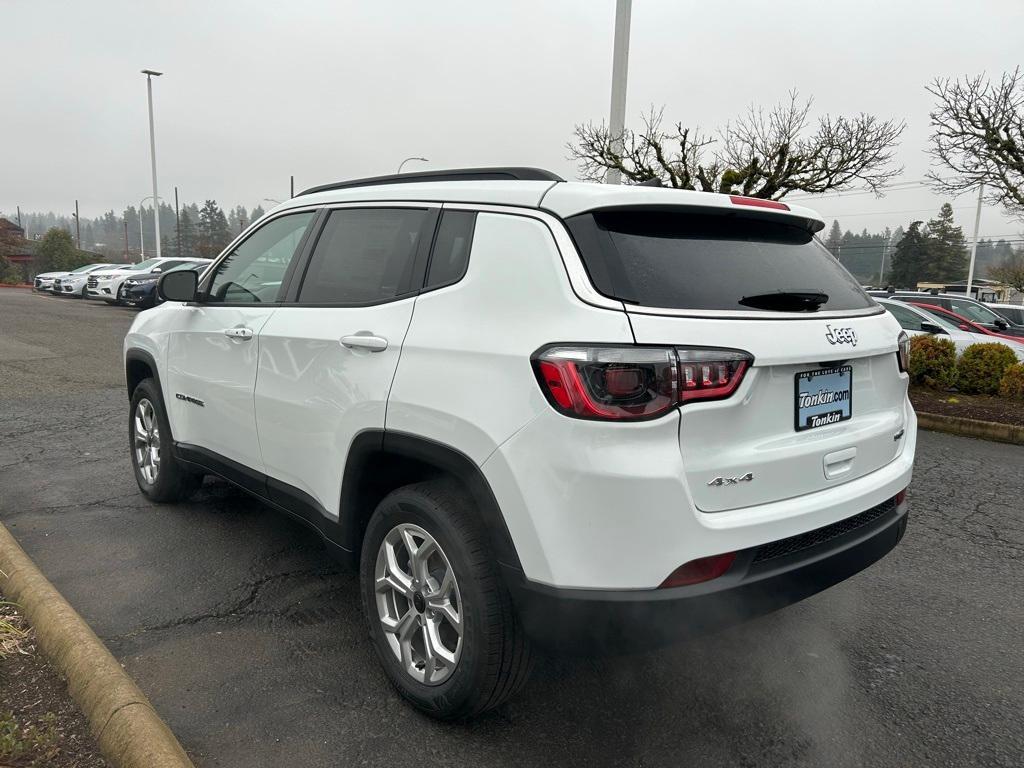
point(982, 369)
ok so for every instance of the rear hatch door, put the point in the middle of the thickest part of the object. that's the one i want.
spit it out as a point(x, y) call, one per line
point(823, 400)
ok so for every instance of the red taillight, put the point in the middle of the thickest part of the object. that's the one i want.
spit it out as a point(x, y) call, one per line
point(630, 383)
point(710, 374)
point(696, 571)
point(757, 202)
point(901, 497)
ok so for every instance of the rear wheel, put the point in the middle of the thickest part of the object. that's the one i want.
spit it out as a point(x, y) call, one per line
point(160, 476)
point(440, 617)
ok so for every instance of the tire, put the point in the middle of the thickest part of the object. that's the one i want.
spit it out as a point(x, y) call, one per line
point(493, 657)
point(161, 477)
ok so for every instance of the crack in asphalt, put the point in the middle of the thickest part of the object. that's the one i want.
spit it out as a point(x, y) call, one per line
point(239, 609)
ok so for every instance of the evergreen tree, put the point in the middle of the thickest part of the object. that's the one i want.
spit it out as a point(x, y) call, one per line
point(256, 213)
point(56, 251)
point(213, 231)
point(187, 234)
point(948, 262)
point(909, 258)
point(835, 238)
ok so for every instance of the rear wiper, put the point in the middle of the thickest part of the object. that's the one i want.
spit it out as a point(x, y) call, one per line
point(786, 301)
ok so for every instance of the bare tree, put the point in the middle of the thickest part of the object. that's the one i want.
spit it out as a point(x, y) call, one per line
point(765, 154)
point(1010, 271)
point(978, 137)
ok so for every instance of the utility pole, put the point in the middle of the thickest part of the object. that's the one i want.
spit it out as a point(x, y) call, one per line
point(127, 259)
point(19, 215)
point(974, 244)
point(142, 240)
point(620, 66)
point(293, 187)
point(150, 74)
point(881, 269)
point(78, 227)
point(177, 222)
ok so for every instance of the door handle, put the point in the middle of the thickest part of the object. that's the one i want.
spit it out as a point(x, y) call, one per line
point(365, 340)
point(238, 333)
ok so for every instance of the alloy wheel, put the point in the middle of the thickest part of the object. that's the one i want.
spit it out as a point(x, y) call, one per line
point(419, 604)
point(146, 438)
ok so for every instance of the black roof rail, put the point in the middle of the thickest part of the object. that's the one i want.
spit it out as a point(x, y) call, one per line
point(453, 174)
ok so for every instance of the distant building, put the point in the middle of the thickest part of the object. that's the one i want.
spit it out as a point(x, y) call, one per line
point(15, 247)
point(981, 289)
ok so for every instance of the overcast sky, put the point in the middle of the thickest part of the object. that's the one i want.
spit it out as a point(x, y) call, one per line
point(256, 91)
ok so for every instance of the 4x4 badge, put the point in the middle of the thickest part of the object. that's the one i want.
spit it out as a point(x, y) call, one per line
point(840, 335)
point(732, 480)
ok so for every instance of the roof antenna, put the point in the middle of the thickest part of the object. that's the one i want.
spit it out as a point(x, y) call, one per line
point(654, 181)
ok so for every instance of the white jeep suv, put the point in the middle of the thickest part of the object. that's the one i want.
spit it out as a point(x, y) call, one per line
point(536, 412)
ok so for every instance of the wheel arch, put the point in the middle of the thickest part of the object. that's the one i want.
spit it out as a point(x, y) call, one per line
point(381, 461)
point(139, 365)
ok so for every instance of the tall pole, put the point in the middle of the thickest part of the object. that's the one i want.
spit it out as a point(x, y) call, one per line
point(142, 240)
point(881, 268)
point(620, 67)
point(293, 187)
point(974, 244)
point(78, 228)
point(177, 223)
point(19, 215)
point(150, 74)
point(127, 260)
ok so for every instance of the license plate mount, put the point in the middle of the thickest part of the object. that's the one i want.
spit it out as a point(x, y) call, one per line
point(824, 396)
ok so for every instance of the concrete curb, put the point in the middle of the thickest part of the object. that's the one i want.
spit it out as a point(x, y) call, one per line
point(986, 430)
point(127, 729)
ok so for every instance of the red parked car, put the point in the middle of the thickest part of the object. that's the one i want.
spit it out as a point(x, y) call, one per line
point(963, 322)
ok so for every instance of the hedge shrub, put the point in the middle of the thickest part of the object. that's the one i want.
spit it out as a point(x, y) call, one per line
point(1012, 385)
point(981, 367)
point(932, 362)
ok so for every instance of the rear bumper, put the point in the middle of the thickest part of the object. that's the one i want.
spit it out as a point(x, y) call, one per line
point(761, 580)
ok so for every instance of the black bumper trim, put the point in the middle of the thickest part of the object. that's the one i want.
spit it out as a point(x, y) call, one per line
point(615, 621)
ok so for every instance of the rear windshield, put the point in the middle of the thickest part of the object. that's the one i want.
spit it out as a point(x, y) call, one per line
point(658, 258)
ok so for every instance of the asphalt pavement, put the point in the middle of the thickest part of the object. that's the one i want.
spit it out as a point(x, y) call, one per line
point(249, 640)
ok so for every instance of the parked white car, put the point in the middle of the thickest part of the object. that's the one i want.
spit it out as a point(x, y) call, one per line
point(531, 411)
point(917, 322)
point(105, 284)
point(45, 280)
point(74, 283)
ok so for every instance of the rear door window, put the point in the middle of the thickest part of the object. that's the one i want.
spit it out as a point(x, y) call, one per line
point(706, 261)
point(450, 255)
point(364, 256)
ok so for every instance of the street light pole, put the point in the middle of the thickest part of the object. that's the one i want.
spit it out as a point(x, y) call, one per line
point(974, 244)
point(78, 228)
point(620, 67)
point(142, 240)
point(421, 159)
point(150, 74)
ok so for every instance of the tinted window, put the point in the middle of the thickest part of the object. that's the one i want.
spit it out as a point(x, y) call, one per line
point(972, 311)
point(450, 255)
point(363, 255)
point(659, 258)
point(907, 319)
point(1014, 315)
point(253, 271)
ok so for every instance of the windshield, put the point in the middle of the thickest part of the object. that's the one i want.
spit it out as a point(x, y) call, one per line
point(143, 264)
point(86, 268)
point(707, 261)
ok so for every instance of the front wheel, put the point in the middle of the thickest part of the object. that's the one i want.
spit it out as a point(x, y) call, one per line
point(440, 617)
point(161, 477)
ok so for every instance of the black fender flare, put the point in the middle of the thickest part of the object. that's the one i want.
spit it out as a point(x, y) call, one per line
point(372, 444)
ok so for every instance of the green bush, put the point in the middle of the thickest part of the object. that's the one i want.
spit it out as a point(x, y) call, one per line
point(932, 362)
point(1012, 384)
point(981, 367)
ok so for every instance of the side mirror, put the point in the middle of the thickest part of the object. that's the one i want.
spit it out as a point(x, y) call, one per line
point(964, 327)
point(932, 328)
point(1002, 325)
point(157, 269)
point(178, 286)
